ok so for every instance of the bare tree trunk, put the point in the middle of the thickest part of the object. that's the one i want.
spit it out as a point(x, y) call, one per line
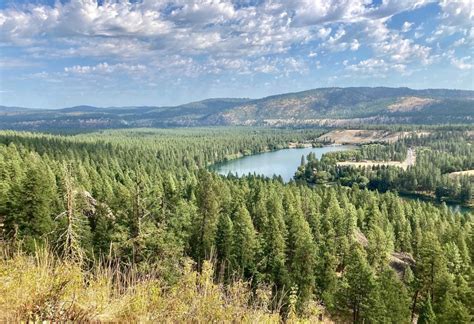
point(69, 239)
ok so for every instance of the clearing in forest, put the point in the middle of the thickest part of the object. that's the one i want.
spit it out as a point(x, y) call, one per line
point(468, 173)
point(364, 136)
point(409, 161)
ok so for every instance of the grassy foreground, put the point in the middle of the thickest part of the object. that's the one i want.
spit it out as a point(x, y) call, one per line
point(45, 288)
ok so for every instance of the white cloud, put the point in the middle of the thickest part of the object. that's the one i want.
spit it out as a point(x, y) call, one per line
point(459, 42)
point(198, 23)
point(375, 66)
point(105, 68)
point(458, 12)
point(418, 35)
point(355, 45)
point(456, 18)
point(404, 50)
point(323, 33)
point(83, 18)
point(314, 12)
point(203, 12)
point(205, 36)
point(281, 66)
point(406, 27)
point(464, 63)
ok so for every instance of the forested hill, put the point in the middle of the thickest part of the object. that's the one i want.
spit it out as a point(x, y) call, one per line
point(325, 106)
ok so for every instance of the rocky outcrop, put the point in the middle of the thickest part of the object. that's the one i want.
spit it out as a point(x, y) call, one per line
point(398, 261)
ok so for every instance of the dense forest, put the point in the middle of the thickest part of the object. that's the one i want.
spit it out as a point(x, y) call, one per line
point(130, 225)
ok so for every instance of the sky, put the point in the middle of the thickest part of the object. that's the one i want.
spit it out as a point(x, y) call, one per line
point(154, 52)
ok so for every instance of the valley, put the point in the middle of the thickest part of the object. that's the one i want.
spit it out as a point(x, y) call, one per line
point(237, 161)
point(147, 201)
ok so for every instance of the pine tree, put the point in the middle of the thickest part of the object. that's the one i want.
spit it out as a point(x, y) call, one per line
point(225, 245)
point(301, 254)
point(342, 224)
point(393, 298)
point(33, 211)
point(245, 241)
point(378, 248)
point(453, 311)
point(103, 229)
point(427, 316)
point(275, 244)
point(356, 290)
point(207, 217)
point(327, 261)
point(430, 263)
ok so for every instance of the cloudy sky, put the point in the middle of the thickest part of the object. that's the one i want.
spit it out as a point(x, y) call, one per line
point(158, 52)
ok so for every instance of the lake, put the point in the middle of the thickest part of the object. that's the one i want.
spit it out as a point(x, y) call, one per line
point(285, 162)
point(282, 163)
point(454, 207)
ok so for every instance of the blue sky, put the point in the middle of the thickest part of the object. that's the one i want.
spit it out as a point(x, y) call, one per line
point(153, 52)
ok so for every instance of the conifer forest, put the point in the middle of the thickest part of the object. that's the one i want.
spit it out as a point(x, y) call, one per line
point(133, 225)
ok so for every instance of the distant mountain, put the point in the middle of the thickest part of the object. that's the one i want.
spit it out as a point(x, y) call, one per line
point(325, 106)
point(5, 109)
point(353, 105)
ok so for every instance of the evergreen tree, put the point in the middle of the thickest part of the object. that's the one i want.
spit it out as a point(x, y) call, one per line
point(378, 249)
point(356, 289)
point(327, 261)
point(225, 244)
point(275, 238)
point(393, 299)
point(32, 217)
point(208, 215)
point(301, 254)
point(427, 316)
point(245, 241)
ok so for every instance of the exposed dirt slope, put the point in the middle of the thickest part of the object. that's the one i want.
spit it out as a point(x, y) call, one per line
point(410, 103)
point(357, 136)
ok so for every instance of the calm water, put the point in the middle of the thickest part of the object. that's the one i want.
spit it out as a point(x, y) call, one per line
point(285, 163)
point(452, 206)
point(282, 162)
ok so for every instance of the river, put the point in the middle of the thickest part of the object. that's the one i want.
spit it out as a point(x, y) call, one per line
point(282, 163)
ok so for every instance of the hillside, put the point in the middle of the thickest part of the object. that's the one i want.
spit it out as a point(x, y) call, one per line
point(325, 107)
point(346, 106)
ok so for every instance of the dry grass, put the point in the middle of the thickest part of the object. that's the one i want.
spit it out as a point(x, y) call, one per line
point(409, 161)
point(467, 173)
point(362, 136)
point(411, 103)
point(43, 288)
point(369, 164)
